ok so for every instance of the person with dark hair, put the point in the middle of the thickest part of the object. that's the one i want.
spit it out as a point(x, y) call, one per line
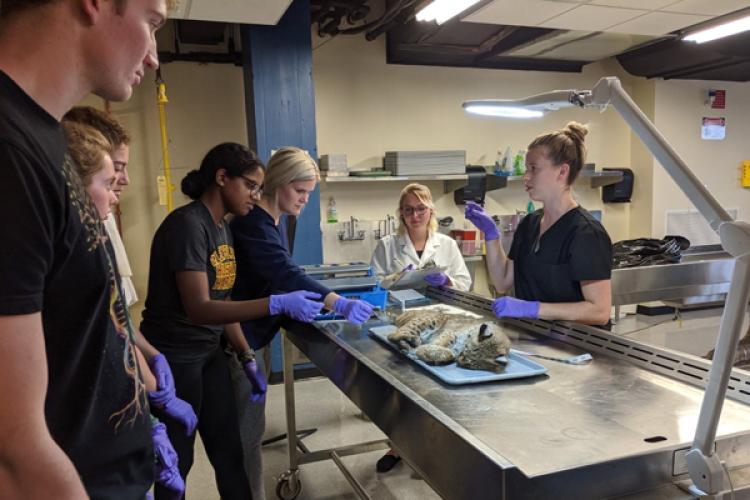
point(560, 260)
point(74, 420)
point(188, 309)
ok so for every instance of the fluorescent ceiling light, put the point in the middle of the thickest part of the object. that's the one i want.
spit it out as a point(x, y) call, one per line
point(442, 10)
point(727, 29)
point(502, 111)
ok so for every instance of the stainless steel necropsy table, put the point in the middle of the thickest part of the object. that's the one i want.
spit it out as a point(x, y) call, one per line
point(617, 426)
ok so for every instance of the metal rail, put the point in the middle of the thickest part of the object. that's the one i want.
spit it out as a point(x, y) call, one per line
point(677, 365)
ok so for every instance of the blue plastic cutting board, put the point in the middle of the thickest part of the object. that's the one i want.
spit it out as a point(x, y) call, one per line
point(518, 366)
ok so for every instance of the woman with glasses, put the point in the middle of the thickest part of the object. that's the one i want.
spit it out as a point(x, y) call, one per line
point(416, 244)
point(560, 260)
point(188, 310)
point(264, 266)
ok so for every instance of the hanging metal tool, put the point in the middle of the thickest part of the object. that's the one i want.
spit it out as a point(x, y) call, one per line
point(161, 101)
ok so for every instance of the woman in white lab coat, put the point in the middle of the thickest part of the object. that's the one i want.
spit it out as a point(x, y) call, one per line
point(417, 243)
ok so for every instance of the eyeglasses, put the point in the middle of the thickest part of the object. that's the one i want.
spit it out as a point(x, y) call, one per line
point(420, 210)
point(253, 186)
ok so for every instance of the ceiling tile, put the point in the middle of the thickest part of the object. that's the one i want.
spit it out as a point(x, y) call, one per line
point(513, 12)
point(232, 11)
point(591, 18)
point(706, 7)
point(658, 23)
point(635, 4)
point(579, 46)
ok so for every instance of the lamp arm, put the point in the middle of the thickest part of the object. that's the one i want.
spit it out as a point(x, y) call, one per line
point(704, 465)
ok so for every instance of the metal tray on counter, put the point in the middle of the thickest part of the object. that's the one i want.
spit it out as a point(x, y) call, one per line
point(518, 366)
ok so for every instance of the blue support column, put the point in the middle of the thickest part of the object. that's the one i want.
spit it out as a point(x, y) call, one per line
point(280, 111)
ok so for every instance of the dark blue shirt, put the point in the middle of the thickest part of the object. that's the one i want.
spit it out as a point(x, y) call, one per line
point(265, 267)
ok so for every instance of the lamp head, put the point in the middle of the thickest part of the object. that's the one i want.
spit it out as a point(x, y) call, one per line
point(534, 106)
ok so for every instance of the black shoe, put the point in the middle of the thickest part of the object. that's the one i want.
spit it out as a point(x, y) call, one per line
point(387, 462)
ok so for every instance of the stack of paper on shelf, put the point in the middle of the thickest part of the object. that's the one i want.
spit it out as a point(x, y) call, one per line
point(334, 165)
point(425, 162)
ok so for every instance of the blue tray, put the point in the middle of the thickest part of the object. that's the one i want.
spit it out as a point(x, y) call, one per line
point(518, 366)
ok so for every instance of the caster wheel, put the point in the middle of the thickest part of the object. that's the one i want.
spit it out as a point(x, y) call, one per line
point(288, 487)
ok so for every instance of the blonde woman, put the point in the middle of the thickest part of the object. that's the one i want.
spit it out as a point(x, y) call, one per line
point(91, 154)
point(418, 243)
point(560, 261)
point(264, 266)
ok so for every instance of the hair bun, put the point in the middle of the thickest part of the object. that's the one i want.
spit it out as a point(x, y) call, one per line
point(193, 184)
point(576, 131)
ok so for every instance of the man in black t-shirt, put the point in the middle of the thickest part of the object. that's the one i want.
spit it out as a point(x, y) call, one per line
point(74, 418)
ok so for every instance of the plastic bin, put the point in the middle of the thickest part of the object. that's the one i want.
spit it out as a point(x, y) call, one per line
point(378, 297)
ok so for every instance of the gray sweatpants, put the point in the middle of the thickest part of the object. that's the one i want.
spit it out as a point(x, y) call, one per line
point(252, 419)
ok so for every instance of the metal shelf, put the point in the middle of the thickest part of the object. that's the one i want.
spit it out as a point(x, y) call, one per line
point(597, 179)
point(455, 181)
point(398, 178)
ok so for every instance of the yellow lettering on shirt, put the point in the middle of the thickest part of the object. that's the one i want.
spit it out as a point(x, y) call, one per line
point(225, 266)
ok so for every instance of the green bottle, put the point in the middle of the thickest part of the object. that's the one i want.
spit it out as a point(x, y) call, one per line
point(519, 167)
point(331, 214)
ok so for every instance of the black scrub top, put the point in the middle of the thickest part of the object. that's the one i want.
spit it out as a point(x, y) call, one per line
point(576, 248)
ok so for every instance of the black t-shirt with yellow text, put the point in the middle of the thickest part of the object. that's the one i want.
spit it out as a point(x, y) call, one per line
point(187, 240)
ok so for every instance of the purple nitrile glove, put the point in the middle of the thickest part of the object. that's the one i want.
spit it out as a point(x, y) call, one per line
point(355, 311)
point(482, 221)
point(256, 378)
point(437, 279)
point(167, 472)
point(165, 397)
point(509, 307)
point(297, 305)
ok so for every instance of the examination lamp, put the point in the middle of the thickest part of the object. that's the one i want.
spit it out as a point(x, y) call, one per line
point(704, 465)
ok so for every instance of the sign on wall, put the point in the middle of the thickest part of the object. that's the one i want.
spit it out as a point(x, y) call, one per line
point(713, 129)
point(717, 98)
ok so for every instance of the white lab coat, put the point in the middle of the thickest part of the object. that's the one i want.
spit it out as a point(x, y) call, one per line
point(123, 264)
point(396, 251)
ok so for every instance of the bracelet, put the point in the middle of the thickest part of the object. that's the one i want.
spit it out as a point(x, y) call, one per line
point(248, 355)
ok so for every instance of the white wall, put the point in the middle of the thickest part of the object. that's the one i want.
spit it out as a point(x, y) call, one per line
point(206, 107)
point(679, 107)
point(365, 107)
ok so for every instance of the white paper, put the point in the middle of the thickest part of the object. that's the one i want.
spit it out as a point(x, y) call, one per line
point(406, 295)
point(411, 279)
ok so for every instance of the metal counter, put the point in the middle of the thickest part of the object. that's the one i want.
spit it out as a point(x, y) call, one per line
point(703, 272)
point(606, 429)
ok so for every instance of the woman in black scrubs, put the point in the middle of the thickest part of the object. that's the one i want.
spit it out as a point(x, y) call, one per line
point(560, 260)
